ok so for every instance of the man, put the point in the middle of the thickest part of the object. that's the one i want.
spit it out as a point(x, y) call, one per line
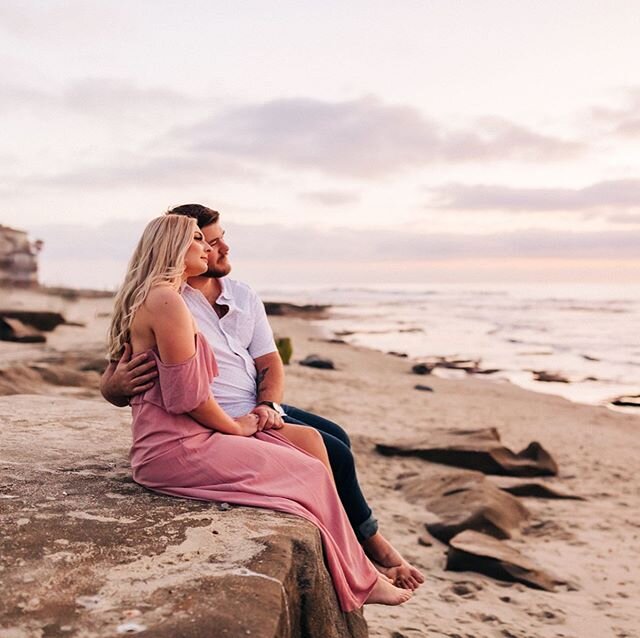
point(251, 380)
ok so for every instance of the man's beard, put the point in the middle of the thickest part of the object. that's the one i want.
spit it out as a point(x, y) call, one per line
point(216, 273)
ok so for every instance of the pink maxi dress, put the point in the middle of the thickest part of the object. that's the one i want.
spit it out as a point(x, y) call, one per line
point(173, 454)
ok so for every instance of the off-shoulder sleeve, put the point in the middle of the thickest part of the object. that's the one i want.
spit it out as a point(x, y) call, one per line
point(184, 386)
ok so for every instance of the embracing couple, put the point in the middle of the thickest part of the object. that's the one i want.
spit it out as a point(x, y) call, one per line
point(193, 354)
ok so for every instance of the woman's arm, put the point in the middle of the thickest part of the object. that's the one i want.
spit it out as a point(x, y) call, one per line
point(172, 325)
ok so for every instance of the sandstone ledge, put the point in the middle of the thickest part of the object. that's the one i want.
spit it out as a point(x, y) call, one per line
point(87, 552)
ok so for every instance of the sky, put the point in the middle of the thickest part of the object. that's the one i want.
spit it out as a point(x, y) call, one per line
point(355, 142)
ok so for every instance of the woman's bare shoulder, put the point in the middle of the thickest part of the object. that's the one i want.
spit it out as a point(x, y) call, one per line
point(164, 299)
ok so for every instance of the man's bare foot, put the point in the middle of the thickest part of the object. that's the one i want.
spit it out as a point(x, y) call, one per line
point(389, 562)
point(384, 593)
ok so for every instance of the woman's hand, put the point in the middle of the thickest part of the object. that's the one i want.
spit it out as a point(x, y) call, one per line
point(248, 424)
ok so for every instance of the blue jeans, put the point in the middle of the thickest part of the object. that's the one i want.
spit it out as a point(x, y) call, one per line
point(343, 467)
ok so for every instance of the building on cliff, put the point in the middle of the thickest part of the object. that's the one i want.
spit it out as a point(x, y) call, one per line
point(18, 258)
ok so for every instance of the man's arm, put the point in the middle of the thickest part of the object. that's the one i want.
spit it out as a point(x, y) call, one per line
point(270, 380)
point(127, 377)
point(270, 387)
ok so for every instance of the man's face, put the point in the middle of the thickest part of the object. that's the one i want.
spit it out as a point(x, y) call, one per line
point(219, 265)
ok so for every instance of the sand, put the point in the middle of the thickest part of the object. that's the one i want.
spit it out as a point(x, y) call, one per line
point(593, 544)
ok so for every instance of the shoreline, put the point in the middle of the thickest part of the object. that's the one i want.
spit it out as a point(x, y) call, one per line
point(530, 385)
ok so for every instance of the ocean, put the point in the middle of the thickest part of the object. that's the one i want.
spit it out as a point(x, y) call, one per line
point(586, 333)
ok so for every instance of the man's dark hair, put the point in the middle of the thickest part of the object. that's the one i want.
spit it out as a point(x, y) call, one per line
point(203, 215)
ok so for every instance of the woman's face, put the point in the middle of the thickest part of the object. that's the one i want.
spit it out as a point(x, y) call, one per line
point(196, 260)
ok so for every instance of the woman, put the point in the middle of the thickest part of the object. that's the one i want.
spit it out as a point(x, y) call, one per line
point(185, 445)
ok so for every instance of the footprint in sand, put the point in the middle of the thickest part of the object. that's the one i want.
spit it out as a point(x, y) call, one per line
point(547, 615)
point(466, 589)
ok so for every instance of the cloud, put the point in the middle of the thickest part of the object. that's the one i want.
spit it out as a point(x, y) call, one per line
point(97, 96)
point(112, 95)
point(624, 219)
point(131, 170)
point(621, 194)
point(362, 138)
point(330, 197)
point(622, 120)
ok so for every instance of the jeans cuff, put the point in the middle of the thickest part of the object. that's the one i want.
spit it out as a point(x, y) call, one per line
point(367, 529)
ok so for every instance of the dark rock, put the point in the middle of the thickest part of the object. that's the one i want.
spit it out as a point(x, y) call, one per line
point(41, 320)
point(473, 551)
point(402, 355)
point(83, 546)
point(306, 311)
point(470, 366)
point(15, 330)
point(466, 501)
point(424, 388)
point(549, 377)
point(476, 450)
point(315, 361)
point(422, 368)
point(627, 401)
point(536, 489)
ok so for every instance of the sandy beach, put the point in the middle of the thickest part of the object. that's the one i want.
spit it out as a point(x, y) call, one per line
point(593, 545)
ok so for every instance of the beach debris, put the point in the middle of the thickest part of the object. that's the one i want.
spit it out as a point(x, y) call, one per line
point(402, 355)
point(41, 320)
point(424, 388)
point(465, 501)
point(632, 401)
point(470, 366)
point(473, 551)
point(549, 377)
point(316, 361)
point(532, 488)
point(285, 349)
point(477, 449)
point(16, 330)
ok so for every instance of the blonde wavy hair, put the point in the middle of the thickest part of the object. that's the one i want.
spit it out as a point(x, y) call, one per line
point(159, 258)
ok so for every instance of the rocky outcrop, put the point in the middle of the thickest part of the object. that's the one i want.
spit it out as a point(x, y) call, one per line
point(18, 258)
point(466, 501)
point(481, 553)
point(316, 361)
point(306, 311)
point(479, 449)
point(85, 551)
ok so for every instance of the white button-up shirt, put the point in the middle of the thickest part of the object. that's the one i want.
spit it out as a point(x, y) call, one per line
point(242, 335)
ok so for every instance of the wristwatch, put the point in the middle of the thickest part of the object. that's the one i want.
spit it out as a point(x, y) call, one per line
point(274, 406)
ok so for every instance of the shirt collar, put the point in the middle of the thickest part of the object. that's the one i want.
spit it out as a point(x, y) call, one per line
point(224, 290)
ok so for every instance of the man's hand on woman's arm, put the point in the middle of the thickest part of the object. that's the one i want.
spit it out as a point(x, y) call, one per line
point(127, 377)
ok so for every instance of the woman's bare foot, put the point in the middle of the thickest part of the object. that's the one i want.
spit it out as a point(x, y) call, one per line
point(389, 562)
point(384, 593)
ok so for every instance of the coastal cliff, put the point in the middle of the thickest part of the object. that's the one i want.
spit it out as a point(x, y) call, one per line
point(86, 551)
